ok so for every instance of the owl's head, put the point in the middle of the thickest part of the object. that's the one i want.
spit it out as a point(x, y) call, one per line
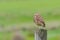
point(37, 15)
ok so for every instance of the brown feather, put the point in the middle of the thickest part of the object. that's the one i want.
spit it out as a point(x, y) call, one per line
point(39, 20)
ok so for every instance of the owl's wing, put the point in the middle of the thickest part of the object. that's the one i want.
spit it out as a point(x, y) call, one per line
point(42, 23)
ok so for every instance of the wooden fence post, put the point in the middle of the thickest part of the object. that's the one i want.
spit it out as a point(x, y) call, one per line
point(41, 34)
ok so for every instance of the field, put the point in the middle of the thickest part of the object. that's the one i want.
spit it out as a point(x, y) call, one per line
point(20, 13)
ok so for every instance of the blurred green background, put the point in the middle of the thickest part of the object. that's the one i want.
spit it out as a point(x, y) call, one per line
point(20, 13)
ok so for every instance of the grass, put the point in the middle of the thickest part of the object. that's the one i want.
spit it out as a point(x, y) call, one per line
point(54, 34)
point(22, 11)
point(14, 12)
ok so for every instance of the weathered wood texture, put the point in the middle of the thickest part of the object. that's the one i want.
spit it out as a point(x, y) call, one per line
point(41, 34)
